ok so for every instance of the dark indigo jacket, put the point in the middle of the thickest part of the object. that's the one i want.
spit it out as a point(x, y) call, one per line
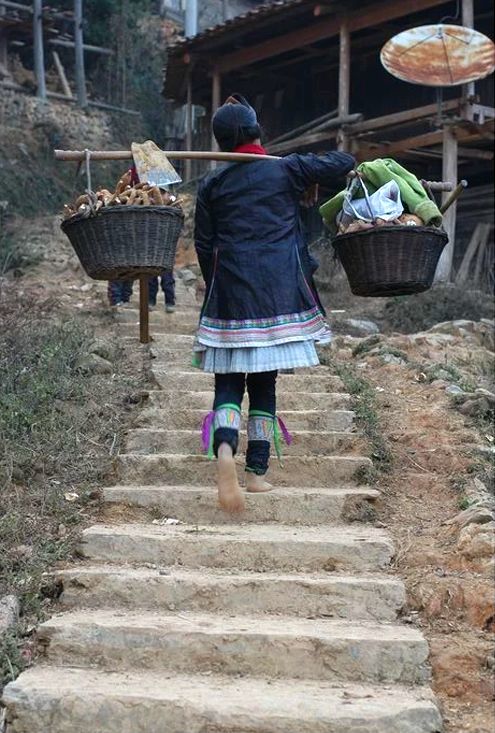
point(249, 236)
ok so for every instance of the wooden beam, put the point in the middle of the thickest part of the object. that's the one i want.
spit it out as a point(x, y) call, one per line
point(344, 79)
point(322, 29)
point(449, 173)
point(426, 140)
point(3, 45)
point(468, 89)
point(189, 125)
point(408, 115)
point(314, 138)
point(39, 57)
point(86, 47)
point(61, 75)
point(82, 99)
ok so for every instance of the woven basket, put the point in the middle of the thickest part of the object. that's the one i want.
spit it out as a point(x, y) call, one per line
point(390, 260)
point(123, 242)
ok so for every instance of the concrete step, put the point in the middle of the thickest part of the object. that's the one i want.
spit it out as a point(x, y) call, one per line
point(189, 419)
point(267, 547)
point(65, 700)
point(273, 646)
point(285, 400)
point(193, 504)
point(340, 596)
point(146, 441)
point(198, 381)
point(319, 471)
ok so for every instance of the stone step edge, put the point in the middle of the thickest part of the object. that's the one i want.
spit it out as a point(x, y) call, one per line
point(295, 491)
point(219, 695)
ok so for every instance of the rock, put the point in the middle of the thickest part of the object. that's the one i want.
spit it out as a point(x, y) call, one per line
point(360, 327)
point(187, 276)
point(453, 327)
point(9, 612)
point(477, 540)
point(454, 389)
point(94, 364)
point(137, 398)
point(103, 348)
point(392, 359)
point(478, 603)
point(473, 515)
point(475, 407)
point(489, 396)
point(22, 552)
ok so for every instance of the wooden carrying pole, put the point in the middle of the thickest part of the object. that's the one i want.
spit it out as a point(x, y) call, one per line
point(144, 315)
point(79, 155)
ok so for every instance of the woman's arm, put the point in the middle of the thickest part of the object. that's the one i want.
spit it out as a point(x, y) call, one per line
point(306, 170)
point(204, 235)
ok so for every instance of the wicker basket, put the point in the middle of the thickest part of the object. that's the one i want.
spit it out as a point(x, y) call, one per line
point(123, 242)
point(390, 260)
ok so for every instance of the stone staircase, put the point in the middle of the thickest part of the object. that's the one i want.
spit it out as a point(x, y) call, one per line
point(282, 620)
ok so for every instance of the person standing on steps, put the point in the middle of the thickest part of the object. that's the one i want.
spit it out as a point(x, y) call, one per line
point(167, 282)
point(261, 311)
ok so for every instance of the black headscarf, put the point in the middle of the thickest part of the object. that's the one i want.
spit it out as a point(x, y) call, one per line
point(235, 123)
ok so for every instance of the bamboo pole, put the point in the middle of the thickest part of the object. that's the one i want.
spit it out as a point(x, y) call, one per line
point(82, 99)
point(39, 59)
point(61, 74)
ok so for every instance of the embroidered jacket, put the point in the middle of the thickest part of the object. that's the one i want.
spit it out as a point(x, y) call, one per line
point(252, 254)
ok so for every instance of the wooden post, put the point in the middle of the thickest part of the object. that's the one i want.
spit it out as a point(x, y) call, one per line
point(82, 99)
point(189, 125)
point(61, 75)
point(39, 59)
point(216, 91)
point(449, 173)
point(3, 43)
point(468, 21)
point(144, 310)
point(344, 78)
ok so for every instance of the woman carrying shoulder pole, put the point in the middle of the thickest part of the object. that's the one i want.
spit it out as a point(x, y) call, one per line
point(261, 312)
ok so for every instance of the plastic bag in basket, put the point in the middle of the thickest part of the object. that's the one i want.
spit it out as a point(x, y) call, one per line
point(384, 204)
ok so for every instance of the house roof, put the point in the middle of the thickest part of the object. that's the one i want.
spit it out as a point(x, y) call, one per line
point(262, 24)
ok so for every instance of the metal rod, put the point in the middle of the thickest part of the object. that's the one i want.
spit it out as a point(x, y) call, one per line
point(453, 196)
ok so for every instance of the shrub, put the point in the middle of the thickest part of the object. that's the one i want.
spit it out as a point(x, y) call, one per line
point(412, 313)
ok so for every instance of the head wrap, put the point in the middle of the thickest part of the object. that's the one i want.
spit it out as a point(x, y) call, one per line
point(235, 123)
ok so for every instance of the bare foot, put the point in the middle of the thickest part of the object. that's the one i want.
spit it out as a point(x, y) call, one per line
point(256, 484)
point(230, 496)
